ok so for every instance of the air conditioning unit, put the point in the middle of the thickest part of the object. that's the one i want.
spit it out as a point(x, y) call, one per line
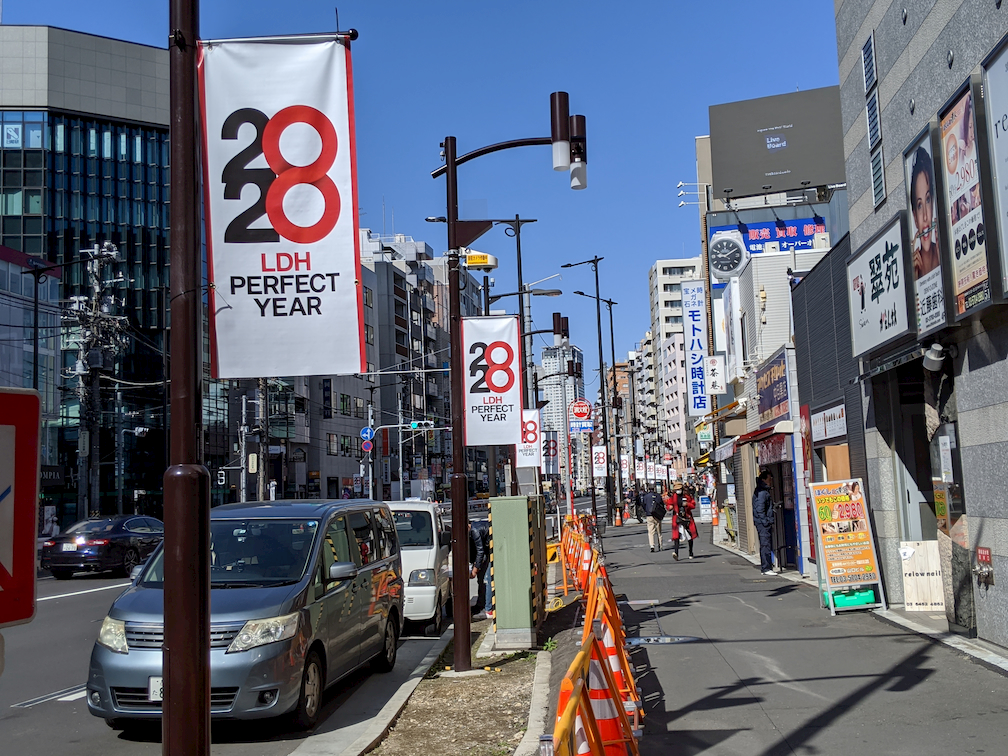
point(821, 240)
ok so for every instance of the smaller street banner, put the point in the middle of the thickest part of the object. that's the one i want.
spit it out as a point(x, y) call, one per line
point(280, 201)
point(550, 453)
point(845, 536)
point(493, 387)
point(599, 466)
point(650, 470)
point(624, 463)
point(529, 452)
point(639, 469)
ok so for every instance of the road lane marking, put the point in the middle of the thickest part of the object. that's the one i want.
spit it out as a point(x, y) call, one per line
point(81, 593)
point(59, 694)
point(74, 696)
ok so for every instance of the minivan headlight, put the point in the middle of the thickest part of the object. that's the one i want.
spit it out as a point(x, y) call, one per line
point(421, 577)
point(260, 632)
point(113, 635)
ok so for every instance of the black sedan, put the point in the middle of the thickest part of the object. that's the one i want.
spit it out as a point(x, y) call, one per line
point(102, 543)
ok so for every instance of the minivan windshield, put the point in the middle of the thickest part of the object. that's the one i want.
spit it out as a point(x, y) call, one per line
point(414, 529)
point(246, 553)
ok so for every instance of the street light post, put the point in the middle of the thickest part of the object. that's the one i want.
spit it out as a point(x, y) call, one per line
point(605, 415)
point(461, 234)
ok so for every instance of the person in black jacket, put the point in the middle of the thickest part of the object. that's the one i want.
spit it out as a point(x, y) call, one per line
point(479, 558)
point(654, 511)
point(763, 517)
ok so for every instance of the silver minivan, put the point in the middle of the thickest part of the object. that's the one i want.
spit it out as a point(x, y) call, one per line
point(302, 594)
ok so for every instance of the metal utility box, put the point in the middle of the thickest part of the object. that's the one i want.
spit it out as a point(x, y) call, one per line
point(518, 569)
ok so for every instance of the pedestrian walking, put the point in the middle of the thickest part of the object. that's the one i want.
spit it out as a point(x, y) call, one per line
point(479, 558)
point(654, 511)
point(763, 516)
point(683, 524)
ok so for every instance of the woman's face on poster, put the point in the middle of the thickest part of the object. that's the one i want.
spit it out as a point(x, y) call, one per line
point(923, 209)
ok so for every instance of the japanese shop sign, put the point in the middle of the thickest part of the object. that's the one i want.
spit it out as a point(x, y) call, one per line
point(790, 235)
point(772, 386)
point(715, 372)
point(529, 451)
point(830, 423)
point(694, 306)
point(878, 289)
point(925, 242)
point(964, 207)
point(844, 534)
point(493, 385)
point(280, 197)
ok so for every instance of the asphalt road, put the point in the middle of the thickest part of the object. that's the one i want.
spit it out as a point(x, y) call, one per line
point(765, 672)
point(42, 707)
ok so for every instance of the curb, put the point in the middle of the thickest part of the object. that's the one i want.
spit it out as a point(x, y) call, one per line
point(382, 722)
point(538, 706)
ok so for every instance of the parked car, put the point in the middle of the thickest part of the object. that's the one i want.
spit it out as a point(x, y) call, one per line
point(301, 595)
point(426, 545)
point(97, 544)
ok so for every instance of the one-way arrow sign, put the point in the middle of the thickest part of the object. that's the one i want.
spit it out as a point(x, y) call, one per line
point(20, 418)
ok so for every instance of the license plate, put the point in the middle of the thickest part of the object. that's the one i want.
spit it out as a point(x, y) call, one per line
point(69, 547)
point(155, 688)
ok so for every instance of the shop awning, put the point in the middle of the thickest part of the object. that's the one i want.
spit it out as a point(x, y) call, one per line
point(783, 426)
point(725, 450)
point(704, 460)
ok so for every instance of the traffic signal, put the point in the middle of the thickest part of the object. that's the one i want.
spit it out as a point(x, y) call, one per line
point(421, 424)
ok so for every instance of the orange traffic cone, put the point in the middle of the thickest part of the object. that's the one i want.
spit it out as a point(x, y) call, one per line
point(715, 520)
point(626, 512)
point(619, 518)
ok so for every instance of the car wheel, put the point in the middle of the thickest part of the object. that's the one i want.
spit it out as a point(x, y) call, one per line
point(61, 573)
point(130, 560)
point(310, 700)
point(438, 623)
point(386, 658)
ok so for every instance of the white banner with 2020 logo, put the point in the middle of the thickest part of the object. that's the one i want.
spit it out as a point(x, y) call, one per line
point(493, 387)
point(280, 195)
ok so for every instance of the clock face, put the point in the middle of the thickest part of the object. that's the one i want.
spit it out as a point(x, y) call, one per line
point(726, 255)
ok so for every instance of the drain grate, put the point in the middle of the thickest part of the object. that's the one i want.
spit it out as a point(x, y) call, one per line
point(648, 640)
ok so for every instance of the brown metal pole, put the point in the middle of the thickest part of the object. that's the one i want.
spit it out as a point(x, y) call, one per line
point(459, 487)
point(185, 725)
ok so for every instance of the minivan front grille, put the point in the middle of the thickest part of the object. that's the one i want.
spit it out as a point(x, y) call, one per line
point(151, 635)
point(135, 699)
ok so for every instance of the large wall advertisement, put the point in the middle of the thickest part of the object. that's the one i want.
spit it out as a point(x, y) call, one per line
point(925, 240)
point(782, 142)
point(996, 94)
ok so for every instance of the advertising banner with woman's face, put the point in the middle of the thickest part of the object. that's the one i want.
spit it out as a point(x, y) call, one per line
point(996, 94)
point(961, 171)
point(922, 202)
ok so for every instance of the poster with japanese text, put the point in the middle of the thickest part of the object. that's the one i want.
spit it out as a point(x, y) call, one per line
point(877, 289)
point(925, 240)
point(280, 199)
point(694, 307)
point(844, 533)
point(493, 381)
point(964, 206)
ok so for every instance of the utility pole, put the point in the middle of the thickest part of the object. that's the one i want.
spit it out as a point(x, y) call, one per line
point(402, 488)
point(242, 432)
point(263, 476)
point(370, 460)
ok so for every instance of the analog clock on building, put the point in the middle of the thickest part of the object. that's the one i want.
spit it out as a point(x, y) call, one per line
point(727, 254)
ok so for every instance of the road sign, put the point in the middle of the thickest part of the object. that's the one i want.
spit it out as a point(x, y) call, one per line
point(20, 410)
point(581, 409)
point(367, 446)
point(367, 433)
point(582, 426)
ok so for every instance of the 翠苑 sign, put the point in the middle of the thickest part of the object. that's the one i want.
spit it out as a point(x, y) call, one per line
point(529, 451)
point(971, 286)
point(878, 289)
point(772, 386)
point(280, 196)
point(492, 377)
point(599, 466)
point(925, 241)
point(20, 444)
point(829, 423)
point(845, 536)
point(694, 306)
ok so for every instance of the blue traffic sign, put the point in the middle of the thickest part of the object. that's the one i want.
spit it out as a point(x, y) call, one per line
point(367, 446)
point(367, 433)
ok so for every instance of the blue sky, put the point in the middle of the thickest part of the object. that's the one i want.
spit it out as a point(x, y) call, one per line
point(643, 73)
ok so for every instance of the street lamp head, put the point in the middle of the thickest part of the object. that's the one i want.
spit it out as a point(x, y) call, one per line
point(581, 293)
point(546, 292)
point(682, 203)
point(680, 185)
point(560, 130)
point(579, 152)
point(436, 219)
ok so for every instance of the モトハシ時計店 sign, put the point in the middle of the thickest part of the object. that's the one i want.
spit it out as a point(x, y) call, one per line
point(279, 177)
point(879, 282)
point(694, 306)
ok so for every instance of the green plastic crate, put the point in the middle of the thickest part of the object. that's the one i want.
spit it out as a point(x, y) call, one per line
point(851, 598)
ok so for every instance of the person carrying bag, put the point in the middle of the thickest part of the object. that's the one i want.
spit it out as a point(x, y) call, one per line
point(654, 510)
point(683, 524)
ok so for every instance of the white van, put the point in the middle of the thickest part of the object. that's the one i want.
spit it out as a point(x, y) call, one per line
point(424, 549)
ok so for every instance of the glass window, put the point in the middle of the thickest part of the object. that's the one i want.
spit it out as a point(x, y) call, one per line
point(368, 297)
point(11, 203)
point(360, 523)
point(368, 333)
point(415, 529)
point(3, 275)
point(335, 548)
point(138, 525)
point(60, 137)
point(346, 449)
point(122, 147)
point(344, 404)
point(33, 136)
point(359, 410)
point(332, 444)
point(386, 534)
point(137, 149)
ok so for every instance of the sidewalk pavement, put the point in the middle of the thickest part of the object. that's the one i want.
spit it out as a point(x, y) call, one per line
point(730, 661)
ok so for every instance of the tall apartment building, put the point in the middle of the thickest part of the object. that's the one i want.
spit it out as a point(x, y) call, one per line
point(669, 363)
point(556, 385)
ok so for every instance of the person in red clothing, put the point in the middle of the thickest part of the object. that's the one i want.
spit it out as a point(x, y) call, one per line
point(683, 524)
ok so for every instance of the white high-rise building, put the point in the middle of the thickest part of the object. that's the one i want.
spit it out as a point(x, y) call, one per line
point(668, 355)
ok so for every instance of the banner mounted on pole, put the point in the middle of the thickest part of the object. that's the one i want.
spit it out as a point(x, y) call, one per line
point(550, 453)
point(599, 466)
point(624, 462)
point(530, 449)
point(493, 381)
point(280, 201)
